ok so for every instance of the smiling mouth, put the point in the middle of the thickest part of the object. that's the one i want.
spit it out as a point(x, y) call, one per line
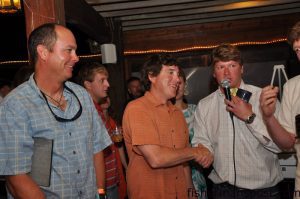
point(174, 89)
point(173, 86)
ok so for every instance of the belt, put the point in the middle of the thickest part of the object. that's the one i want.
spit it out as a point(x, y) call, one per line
point(267, 191)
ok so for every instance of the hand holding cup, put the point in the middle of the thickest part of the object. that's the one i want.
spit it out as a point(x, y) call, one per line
point(117, 135)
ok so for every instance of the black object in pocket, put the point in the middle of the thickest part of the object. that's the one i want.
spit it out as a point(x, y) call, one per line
point(297, 124)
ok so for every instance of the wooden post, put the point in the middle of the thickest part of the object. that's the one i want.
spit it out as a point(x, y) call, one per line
point(41, 12)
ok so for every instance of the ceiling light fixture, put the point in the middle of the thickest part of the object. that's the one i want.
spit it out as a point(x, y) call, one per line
point(9, 6)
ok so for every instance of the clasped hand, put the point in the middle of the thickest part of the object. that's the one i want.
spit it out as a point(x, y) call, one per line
point(203, 156)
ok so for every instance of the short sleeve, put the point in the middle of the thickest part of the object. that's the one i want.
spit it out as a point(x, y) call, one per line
point(140, 122)
point(201, 134)
point(102, 139)
point(287, 112)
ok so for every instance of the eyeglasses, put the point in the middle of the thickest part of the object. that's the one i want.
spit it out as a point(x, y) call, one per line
point(60, 119)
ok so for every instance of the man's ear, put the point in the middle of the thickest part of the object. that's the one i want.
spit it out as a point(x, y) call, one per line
point(87, 85)
point(42, 51)
point(151, 77)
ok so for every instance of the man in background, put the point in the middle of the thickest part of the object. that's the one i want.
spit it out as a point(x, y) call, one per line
point(94, 78)
point(134, 88)
point(5, 88)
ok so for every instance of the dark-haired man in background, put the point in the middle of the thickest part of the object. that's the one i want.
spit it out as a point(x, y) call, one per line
point(134, 88)
point(5, 88)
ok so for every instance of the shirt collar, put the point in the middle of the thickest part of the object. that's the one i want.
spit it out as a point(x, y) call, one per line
point(98, 106)
point(34, 86)
point(157, 103)
point(242, 86)
point(100, 110)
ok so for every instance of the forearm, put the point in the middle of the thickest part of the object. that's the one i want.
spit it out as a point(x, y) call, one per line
point(161, 157)
point(99, 165)
point(280, 136)
point(170, 157)
point(123, 157)
point(22, 186)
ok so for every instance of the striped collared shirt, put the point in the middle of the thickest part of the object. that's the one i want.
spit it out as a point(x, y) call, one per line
point(257, 165)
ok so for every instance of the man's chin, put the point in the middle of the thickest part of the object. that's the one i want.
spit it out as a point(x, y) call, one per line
point(173, 95)
point(69, 75)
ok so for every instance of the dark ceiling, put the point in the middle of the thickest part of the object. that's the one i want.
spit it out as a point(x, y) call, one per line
point(145, 14)
point(141, 15)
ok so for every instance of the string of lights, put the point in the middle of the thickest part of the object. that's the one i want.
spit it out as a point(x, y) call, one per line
point(14, 62)
point(203, 47)
point(193, 48)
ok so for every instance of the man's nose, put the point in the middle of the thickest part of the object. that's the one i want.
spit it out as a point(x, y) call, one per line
point(226, 70)
point(75, 58)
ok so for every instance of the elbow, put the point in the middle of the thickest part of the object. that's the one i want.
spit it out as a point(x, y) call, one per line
point(154, 162)
point(289, 145)
point(154, 165)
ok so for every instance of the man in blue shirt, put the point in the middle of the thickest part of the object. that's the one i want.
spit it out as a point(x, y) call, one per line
point(47, 106)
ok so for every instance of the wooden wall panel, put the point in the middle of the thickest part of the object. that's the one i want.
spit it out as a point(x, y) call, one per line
point(256, 29)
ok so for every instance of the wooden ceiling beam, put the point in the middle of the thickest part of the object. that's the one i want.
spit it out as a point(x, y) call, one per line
point(182, 17)
point(217, 19)
point(218, 8)
point(94, 2)
point(120, 13)
point(140, 4)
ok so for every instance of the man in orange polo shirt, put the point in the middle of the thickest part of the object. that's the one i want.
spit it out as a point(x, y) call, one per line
point(157, 137)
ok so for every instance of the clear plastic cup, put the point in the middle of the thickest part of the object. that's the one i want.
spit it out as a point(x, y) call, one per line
point(117, 134)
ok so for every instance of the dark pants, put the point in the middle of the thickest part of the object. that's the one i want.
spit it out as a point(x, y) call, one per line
point(228, 191)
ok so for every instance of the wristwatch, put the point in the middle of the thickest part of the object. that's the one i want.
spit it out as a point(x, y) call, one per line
point(250, 119)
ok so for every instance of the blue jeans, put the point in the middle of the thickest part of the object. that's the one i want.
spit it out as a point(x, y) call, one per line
point(228, 191)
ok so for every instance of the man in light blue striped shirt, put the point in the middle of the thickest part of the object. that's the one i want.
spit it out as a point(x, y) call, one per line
point(47, 106)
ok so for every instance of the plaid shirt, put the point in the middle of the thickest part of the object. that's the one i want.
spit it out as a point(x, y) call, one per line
point(24, 114)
